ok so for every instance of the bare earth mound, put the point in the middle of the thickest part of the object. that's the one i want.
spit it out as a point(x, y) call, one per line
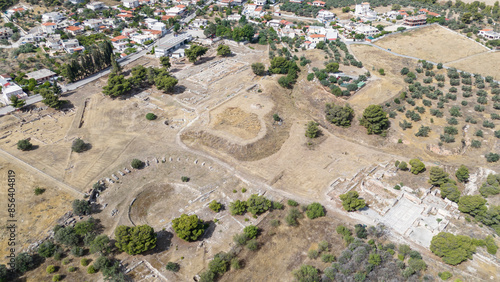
point(432, 43)
point(238, 122)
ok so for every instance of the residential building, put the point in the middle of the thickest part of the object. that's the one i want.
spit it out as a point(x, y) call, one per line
point(316, 38)
point(41, 75)
point(149, 22)
point(146, 2)
point(5, 32)
point(176, 11)
point(361, 9)
point(234, 17)
point(54, 17)
point(72, 46)
point(93, 23)
point(260, 2)
point(130, 3)
point(429, 13)
point(238, 2)
point(274, 24)
point(11, 12)
point(318, 3)
point(95, 6)
point(325, 16)
point(119, 42)
point(9, 89)
point(128, 31)
point(416, 20)
point(155, 34)
point(53, 44)
point(199, 22)
point(49, 27)
point(296, 1)
point(225, 3)
point(171, 45)
point(141, 38)
point(331, 34)
point(367, 30)
point(161, 27)
point(76, 2)
point(489, 34)
point(74, 30)
point(125, 16)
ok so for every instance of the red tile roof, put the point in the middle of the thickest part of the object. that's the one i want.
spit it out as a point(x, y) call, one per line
point(119, 38)
point(48, 24)
point(73, 28)
point(317, 35)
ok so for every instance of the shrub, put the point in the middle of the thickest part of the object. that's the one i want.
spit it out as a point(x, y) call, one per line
point(445, 275)
point(51, 269)
point(39, 191)
point(306, 273)
point(137, 164)
point(313, 254)
point(238, 207)
point(71, 269)
point(151, 116)
point(78, 146)
point(185, 179)
point(492, 157)
point(315, 210)
point(56, 277)
point(292, 218)
point(240, 239)
point(277, 206)
point(416, 166)
point(24, 145)
point(360, 231)
point(251, 231)
point(252, 245)
point(462, 174)
point(312, 130)
point(172, 266)
point(258, 204)
point(91, 270)
point(46, 249)
point(292, 203)
point(423, 131)
point(258, 68)
point(84, 262)
point(351, 201)
point(475, 144)
point(215, 206)
point(65, 261)
point(328, 258)
point(488, 124)
point(447, 138)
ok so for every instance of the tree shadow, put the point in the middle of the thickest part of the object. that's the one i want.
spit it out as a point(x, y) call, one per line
point(66, 105)
point(179, 89)
point(163, 242)
point(209, 231)
point(204, 60)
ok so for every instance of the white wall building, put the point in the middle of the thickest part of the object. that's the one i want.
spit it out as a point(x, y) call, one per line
point(130, 3)
point(94, 6)
point(9, 88)
point(54, 17)
point(367, 30)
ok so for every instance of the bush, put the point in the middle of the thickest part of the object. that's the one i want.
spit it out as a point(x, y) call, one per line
point(91, 270)
point(313, 254)
point(78, 146)
point(293, 216)
point(173, 267)
point(137, 164)
point(215, 206)
point(328, 258)
point(258, 68)
point(492, 157)
point(251, 231)
point(24, 145)
point(416, 166)
point(360, 231)
point(185, 179)
point(46, 249)
point(338, 115)
point(258, 204)
point(72, 269)
point(39, 191)
point(315, 210)
point(312, 130)
point(238, 207)
point(374, 119)
point(277, 206)
point(475, 144)
point(252, 245)
point(445, 275)
point(292, 203)
point(56, 277)
point(84, 262)
point(51, 269)
point(81, 207)
point(306, 273)
point(151, 116)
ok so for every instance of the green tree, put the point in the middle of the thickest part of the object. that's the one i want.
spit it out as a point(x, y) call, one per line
point(188, 227)
point(416, 166)
point(258, 204)
point(47, 249)
point(24, 145)
point(194, 52)
point(312, 129)
point(4, 273)
point(474, 205)
point(116, 69)
point(374, 259)
point(166, 83)
point(374, 119)
point(338, 115)
point(450, 191)
point(165, 62)
point(215, 206)
point(135, 240)
point(24, 262)
point(137, 164)
point(351, 201)
point(279, 65)
point(332, 67)
point(117, 85)
point(453, 249)
point(258, 69)
point(462, 174)
point(81, 207)
point(251, 231)
point(315, 210)
point(16, 102)
point(151, 116)
point(238, 207)
point(306, 273)
point(223, 50)
point(100, 244)
point(67, 236)
point(78, 145)
point(50, 99)
point(438, 176)
point(85, 227)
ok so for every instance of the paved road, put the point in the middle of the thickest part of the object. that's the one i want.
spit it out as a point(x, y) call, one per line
point(30, 100)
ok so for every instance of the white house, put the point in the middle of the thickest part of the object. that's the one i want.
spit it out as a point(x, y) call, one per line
point(234, 17)
point(176, 11)
point(9, 88)
point(199, 23)
point(149, 22)
point(331, 34)
point(489, 34)
point(76, 2)
point(325, 16)
point(119, 42)
point(158, 26)
point(93, 23)
point(316, 38)
point(130, 3)
point(362, 9)
point(141, 38)
point(49, 27)
point(95, 6)
point(367, 30)
point(274, 23)
point(260, 2)
point(54, 17)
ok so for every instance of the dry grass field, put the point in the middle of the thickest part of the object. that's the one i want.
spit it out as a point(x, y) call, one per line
point(484, 64)
point(432, 43)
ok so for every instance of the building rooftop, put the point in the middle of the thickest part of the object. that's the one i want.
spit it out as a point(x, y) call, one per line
point(39, 74)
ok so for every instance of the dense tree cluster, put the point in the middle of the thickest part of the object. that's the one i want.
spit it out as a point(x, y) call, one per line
point(135, 240)
point(99, 58)
point(338, 115)
point(188, 227)
point(374, 119)
point(351, 201)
